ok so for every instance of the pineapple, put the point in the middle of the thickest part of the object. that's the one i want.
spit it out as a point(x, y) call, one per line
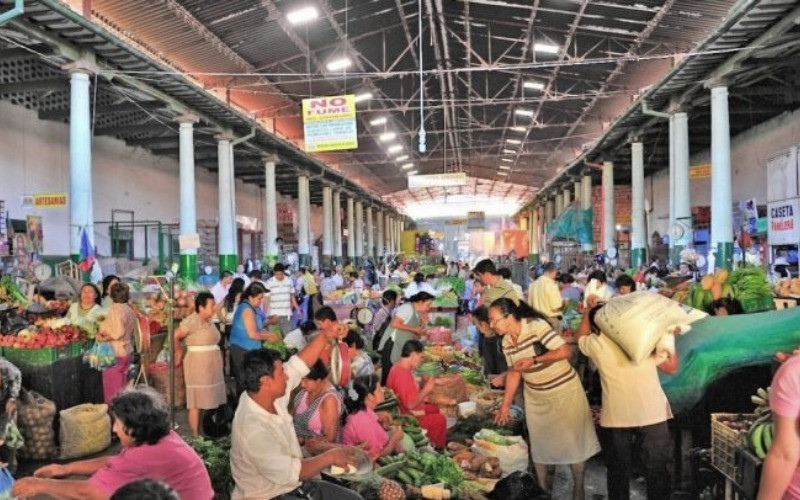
point(390, 490)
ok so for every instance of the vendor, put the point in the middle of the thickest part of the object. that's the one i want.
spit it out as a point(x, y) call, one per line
point(108, 284)
point(363, 427)
point(87, 307)
point(413, 400)
point(408, 323)
point(150, 449)
point(317, 411)
point(725, 307)
point(419, 284)
point(118, 330)
point(360, 361)
point(382, 318)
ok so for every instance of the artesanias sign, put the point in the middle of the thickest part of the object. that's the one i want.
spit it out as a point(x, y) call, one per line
point(784, 222)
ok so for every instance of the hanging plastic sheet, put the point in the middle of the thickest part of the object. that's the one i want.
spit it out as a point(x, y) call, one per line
point(575, 224)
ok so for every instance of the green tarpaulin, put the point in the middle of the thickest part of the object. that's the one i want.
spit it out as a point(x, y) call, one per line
point(574, 224)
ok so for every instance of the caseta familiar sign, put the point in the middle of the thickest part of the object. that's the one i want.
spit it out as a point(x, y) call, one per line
point(329, 123)
point(784, 222)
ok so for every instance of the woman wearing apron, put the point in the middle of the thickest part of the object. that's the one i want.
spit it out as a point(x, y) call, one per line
point(408, 323)
point(556, 410)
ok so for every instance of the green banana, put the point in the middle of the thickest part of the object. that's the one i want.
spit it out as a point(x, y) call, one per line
point(768, 435)
point(756, 440)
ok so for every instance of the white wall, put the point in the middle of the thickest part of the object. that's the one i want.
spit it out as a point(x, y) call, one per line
point(34, 158)
point(750, 151)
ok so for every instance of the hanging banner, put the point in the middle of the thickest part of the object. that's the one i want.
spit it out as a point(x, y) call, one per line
point(476, 220)
point(50, 200)
point(454, 179)
point(700, 171)
point(784, 222)
point(329, 123)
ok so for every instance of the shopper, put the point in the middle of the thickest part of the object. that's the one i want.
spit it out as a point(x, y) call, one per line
point(360, 361)
point(108, 284)
point(247, 329)
point(567, 288)
point(413, 400)
point(87, 307)
point(489, 344)
point(328, 284)
point(635, 409)
point(505, 273)
point(338, 280)
point(241, 273)
point(363, 427)
point(150, 450)
point(117, 329)
point(281, 301)
point(382, 318)
point(496, 286)
point(597, 290)
point(220, 290)
point(557, 412)
point(230, 303)
point(266, 458)
point(780, 477)
point(419, 284)
point(202, 365)
point(545, 297)
point(625, 285)
point(408, 323)
point(317, 410)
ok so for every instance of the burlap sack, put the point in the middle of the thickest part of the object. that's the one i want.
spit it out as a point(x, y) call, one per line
point(455, 388)
point(35, 415)
point(84, 429)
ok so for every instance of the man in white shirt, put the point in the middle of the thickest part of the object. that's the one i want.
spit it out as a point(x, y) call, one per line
point(281, 301)
point(635, 408)
point(266, 458)
point(337, 278)
point(220, 290)
point(544, 295)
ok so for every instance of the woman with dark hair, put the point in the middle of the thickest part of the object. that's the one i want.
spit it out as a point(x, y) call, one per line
point(363, 427)
point(202, 366)
point(117, 329)
point(145, 489)
point(555, 404)
point(413, 400)
point(108, 284)
point(360, 362)
point(597, 290)
point(489, 347)
point(408, 323)
point(382, 318)
point(317, 410)
point(725, 307)
point(87, 307)
point(230, 302)
point(150, 449)
point(247, 328)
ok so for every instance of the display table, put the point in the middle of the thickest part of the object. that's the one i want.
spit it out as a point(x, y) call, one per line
point(66, 382)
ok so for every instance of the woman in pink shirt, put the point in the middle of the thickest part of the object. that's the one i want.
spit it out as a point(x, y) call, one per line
point(363, 425)
point(780, 478)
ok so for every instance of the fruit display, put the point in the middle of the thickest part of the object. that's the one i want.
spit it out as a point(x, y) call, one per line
point(762, 432)
point(420, 469)
point(11, 294)
point(787, 287)
point(411, 428)
point(38, 338)
point(748, 285)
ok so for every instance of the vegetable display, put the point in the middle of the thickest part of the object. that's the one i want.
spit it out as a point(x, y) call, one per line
point(762, 432)
point(10, 292)
point(748, 285)
point(216, 458)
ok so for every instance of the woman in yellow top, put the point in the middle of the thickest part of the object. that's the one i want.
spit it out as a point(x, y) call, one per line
point(556, 410)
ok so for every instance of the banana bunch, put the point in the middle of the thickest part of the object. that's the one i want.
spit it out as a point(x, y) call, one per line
point(762, 432)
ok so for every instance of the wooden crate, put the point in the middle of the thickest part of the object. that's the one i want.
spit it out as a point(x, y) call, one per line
point(724, 442)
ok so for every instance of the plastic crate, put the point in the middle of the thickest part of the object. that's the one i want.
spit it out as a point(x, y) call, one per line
point(748, 472)
point(724, 442)
point(43, 356)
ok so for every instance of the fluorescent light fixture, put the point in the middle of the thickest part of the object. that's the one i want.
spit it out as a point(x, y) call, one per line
point(387, 136)
point(378, 121)
point(513, 141)
point(366, 96)
point(394, 149)
point(302, 15)
point(509, 152)
point(502, 173)
point(533, 85)
point(507, 159)
point(546, 48)
point(407, 166)
point(504, 167)
point(518, 129)
point(401, 158)
point(339, 64)
point(413, 172)
point(524, 112)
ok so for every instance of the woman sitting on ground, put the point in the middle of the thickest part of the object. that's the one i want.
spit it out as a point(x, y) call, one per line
point(360, 361)
point(317, 411)
point(366, 428)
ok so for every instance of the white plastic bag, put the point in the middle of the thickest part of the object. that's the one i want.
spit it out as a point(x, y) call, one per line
point(638, 321)
point(513, 453)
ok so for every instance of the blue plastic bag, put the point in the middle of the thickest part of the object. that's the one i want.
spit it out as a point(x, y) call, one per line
point(6, 482)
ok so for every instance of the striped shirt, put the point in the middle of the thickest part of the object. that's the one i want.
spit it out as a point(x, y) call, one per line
point(541, 377)
point(280, 292)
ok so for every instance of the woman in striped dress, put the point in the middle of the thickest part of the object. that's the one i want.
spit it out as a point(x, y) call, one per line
point(556, 410)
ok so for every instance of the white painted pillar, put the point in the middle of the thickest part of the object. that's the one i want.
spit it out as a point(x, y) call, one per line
point(327, 225)
point(682, 200)
point(566, 198)
point(559, 205)
point(673, 257)
point(370, 229)
point(351, 236)
point(638, 226)
point(270, 212)
point(586, 203)
point(533, 258)
point(81, 209)
point(388, 234)
point(577, 190)
point(609, 221)
point(721, 196)
point(401, 227)
point(359, 232)
point(303, 213)
point(337, 225)
point(379, 250)
point(226, 230)
point(188, 216)
point(549, 211)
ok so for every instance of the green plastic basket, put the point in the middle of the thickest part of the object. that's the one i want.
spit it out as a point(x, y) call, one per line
point(44, 356)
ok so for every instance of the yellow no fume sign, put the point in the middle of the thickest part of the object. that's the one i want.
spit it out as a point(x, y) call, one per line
point(329, 123)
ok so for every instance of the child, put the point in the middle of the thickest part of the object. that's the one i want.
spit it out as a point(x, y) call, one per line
point(363, 426)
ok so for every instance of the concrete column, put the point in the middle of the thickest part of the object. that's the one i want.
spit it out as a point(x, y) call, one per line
point(370, 229)
point(188, 259)
point(379, 250)
point(327, 226)
point(682, 200)
point(303, 214)
point(533, 230)
point(359, 233)
point(226, 230)
point(270, 212)
point(351, 222)
point(401, 227)
point(577, 190)
point(81, 209)
point(559, 205)
point(609, 220)
point(638, 226)
point(673, 256)
point(567, 198)
point(388, 234)
point(337, 226)
point(549, 211)
point(586, 203)
point(721, 196)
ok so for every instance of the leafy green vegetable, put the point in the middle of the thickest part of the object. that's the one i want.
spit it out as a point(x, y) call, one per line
point(467, 427)
point(439, 468)
point(458, 285)
point(493, 437)
point(473, 377)
point(216, 457)
point(13, 291)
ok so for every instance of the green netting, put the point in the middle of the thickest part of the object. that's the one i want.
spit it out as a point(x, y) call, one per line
point(718, 345)
point(574, 224)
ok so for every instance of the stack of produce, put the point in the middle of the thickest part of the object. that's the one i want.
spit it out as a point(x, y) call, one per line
point(762, 431)
point(43, 337)
point(474, 466)
point(787, 287)
point(424, 474)
point(11, 294)
point(411, 428)
point(35, 420)
point(748, 285)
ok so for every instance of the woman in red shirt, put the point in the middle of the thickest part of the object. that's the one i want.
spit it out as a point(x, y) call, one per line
point(412, 399)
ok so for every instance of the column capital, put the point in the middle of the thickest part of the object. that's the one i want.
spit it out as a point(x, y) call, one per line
point(714, 83)
point(83, 66)
point(224, 135)
point(271, 158)
point(187, 118)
